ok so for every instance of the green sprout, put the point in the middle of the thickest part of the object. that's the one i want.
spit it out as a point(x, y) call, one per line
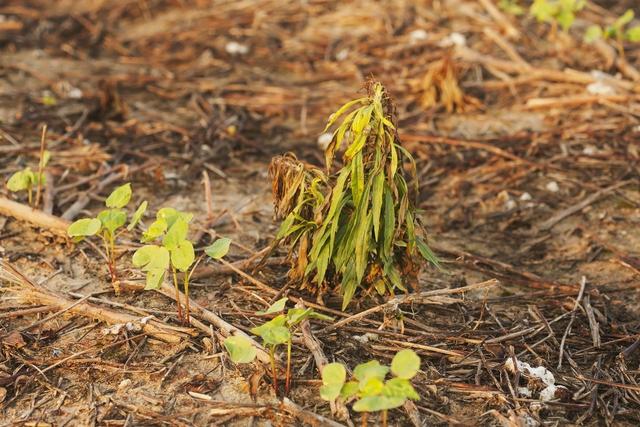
point(176, 253)
point(358, 227)
point(108, 225)
point(27, 180)
point(511, 6)
point(562, 12)
point(240, 349)
point(615, 31)
point(368, 386)
point(278, 331)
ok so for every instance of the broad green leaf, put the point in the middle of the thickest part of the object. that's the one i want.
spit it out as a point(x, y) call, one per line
point(633, 34)
point(182, 256)
point(320, 316)
point(405, 364)
point(154, 278)
point(400, 387)
point(170, 215)
point(350, 389)
point(279, 320)
point(137, 215)
point(333, 378)
point(297, 315)
point(371, 386)
point(219, 248)
point(377, 403)
point(21, 180)
point(151, 257)
point(276, 307)
point(112, 219)
point(155, 230)
point(177, 234)
point(371, 369)
point(240, 349)
point(624, 19)
point(276, 335)
point(84, 227)
point(119, 197)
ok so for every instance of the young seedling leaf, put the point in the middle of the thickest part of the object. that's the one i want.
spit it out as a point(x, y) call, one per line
point(112, 219)
point(371, 386)
point(20, 181)
point(155, 230)
point(183, 255)
point(377, 403)
point(155, 276)
point(400, 387)
point(276, 335)
point(276, 307)
point(219, 248)
point(119, 197)
point(240, 349)
point(170, 215)
point(333, 378)
point(151, 257)
point(350, 389)
point(279, 320)
point(177, 234)
point(84, 227)
point(137, 215)
point(405, 364)
point(371, 369)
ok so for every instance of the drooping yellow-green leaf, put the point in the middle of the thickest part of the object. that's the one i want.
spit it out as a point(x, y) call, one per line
point(333, 378)
point(176, 234)
point(112, 219)
point(276, 307)
point(151, 257)
point(21, 180)
point(240, 349)
point(137, 215)
point(182, 256)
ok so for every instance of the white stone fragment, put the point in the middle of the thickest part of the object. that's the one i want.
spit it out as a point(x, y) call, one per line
point(235, 48)
point(324, 140)
point(553, 186)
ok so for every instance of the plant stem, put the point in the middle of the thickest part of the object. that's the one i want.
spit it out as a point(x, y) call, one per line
point(112, 264)
point(30, 195)
point(186, 294)
point(384, 418)
point(365, 416)
point(272, 358)
point(175, 285)
point(287, 380)
point(41, 164)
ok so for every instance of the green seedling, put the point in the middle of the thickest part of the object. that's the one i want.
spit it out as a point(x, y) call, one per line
point(359, 226)
point(368, 386)
point(511, 6)
point(615, 31)
point(240, 349)
point(176, 253)
point(561, 12)
point(278, 331)
point(109, 226)
point(27, 179)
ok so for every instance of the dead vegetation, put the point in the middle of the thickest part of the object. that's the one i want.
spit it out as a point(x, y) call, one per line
point(526, 147)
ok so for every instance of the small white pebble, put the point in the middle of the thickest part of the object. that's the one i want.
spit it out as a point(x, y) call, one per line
point(235, 48)
point(600, 88)
point(453, 39)
point(589, 150)
point(525, 197)
point(342, 54)
point(126, 383)
point(75, 93)
point(417, 36)
point(511, 204)
point(324, 140)
point(553, 187)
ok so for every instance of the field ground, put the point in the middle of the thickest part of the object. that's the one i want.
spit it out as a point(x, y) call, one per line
point(527, 147)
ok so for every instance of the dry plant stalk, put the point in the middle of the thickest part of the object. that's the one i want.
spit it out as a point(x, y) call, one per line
point(440, 86)
point(356, 227)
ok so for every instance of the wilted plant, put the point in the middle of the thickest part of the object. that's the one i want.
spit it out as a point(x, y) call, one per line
point(359, 227)
point(26, 179)
point(278, 331)
point(108, 225)
point(175, 253)
point(368, 386)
